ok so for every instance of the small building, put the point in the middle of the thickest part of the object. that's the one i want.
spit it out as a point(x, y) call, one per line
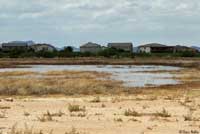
point(156, 48)
point(42, 47)
point(10, 46)
point(90, 47)
point(122, 46)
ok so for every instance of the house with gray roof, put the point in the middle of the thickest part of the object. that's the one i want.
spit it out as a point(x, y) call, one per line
point(90, 47)
point(126, 46)
point(155, 48)
point(14, 46)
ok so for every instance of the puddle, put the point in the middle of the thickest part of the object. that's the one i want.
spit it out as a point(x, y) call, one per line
point(131, 75)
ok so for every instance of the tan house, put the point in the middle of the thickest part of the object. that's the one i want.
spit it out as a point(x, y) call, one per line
point(122, 46)
point(90, 47)
point(42, 47)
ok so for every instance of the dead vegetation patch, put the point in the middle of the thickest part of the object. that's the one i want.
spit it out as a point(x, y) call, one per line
point(76, 108)
point(132, 112)
point(31, 130)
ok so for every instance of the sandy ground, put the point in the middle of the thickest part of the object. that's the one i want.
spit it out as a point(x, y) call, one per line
point(105, 116)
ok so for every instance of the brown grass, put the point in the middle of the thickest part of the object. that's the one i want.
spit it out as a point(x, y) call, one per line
point(73, 83)
point(17, 73)
point(131, 112)
point(185, 62)
point(31, 130)
point(163, 113)
point(96, 100)
point(76, 108)
point(46, 117)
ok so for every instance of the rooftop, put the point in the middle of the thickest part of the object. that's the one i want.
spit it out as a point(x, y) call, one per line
point(90, 44)
point(15, 44)
point(120, 43)
point(153, 45)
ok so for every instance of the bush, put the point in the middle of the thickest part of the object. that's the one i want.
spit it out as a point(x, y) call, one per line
point(188, 54)
point(114, 53)
point(46, 54)
point(132, 112)
point(76, 108)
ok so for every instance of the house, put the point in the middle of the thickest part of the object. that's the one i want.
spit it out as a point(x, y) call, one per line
point(196, 47)
point(180, 48)
point(15, 45)
point(155, 48)
point(42, 47)
point(90, 47)
point(122, 46)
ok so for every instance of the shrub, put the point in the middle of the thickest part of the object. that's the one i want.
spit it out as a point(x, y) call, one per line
point(163, 113)
point(132, 112)
point(96, 100)
point(76, 108)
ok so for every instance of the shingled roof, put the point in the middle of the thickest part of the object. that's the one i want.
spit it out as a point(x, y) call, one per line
point(153, 45)
point(91, 44)
point(120, 44)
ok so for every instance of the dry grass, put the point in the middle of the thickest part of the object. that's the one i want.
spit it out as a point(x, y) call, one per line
point(185, 75)
point(46, 117)
point(163, 113)
point(82, 114)
point(74, 83)
point(73, 131)
point(27, 130)
point(3, 114)
point(118, 119)
point(17, 73)
point(31, 130)
point(76, 108)
point(4, 107)
point(26, 114)
point(131, 112)
point(96, 100)
point(186, 62)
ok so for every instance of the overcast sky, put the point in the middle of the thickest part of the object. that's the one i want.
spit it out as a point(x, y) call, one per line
point(74, 22)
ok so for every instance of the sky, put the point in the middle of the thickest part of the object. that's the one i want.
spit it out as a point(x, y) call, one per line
point(75, 22)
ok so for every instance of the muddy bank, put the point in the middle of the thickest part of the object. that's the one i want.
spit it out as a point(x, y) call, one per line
point(182, 62)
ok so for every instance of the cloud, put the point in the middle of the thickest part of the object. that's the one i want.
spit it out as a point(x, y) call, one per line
point(77, 21)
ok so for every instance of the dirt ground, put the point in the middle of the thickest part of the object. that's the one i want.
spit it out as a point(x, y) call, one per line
point(134, 114)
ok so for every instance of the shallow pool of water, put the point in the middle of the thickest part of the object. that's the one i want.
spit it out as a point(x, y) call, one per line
point(130, 75)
